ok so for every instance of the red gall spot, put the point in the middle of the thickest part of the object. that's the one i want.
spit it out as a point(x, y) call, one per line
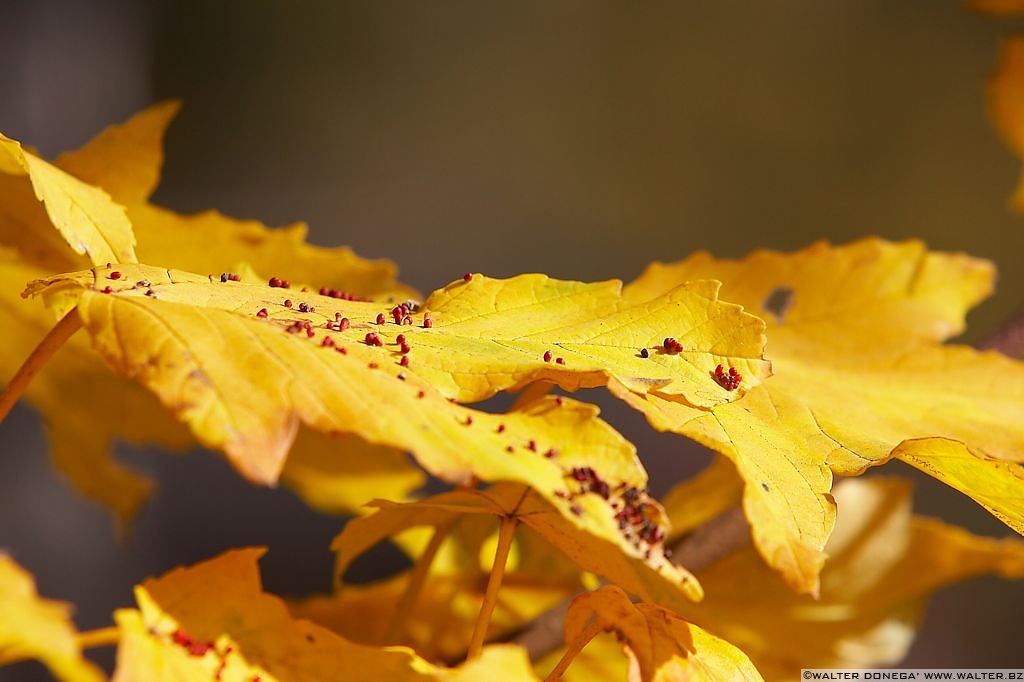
point(551, 453)
point(576, 509)
point(644, 353)
point(373, 365)
point(279, 283)
point(672, 346)
point(343, 324)
point(235, 278)
point(114, 275)
point(421, 394)
point(329, 325)
point(532, 445)
point(427, 324)
point(509, 448)
point(561, 493)
point(547, 356)
point(303, 308)
point(407, 320)
point(341, 349)
point(328, 342)
point(309, 332)
point(400, 339)
point(380, 318)
point(372, 339)
point(106, 290)
point(401, 376)
point(560, 361)
point(469, 420)
point(404, 361)
point(501, 428)
point(559, 400)
point(287, 303)
point(223, 277)
point(405, 348)
point(179, 636)
point(262, 313)
point(150, 292)
point(730, 381)
point(304, 289)
point(468, 276)
point(108, 264)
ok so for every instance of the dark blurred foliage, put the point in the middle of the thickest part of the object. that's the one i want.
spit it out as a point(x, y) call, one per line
point(581, 139)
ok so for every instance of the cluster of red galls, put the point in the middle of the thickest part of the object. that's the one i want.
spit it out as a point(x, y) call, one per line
point(730, 380)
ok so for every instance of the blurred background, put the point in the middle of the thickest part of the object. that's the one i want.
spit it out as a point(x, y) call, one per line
point(580, 139)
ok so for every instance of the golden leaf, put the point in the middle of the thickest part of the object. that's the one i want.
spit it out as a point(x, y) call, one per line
point(883, 564)
point(88, 219)
point(125, 160)
point(32, 627)
point(220, 355)
point(859, 368)
point(214, 621)
point(663, 646)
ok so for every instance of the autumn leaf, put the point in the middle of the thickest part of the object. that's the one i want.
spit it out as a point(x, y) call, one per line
point(88, 219)
point(856, 336)
point(126, 161)
point(242, 364)
point(661, 645)
point(883, 564)
point(1006, 101)
point(33, 627)
point(214, 621)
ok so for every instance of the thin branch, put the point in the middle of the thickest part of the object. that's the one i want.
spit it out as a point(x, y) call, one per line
point(505, 534)
point(51, 343)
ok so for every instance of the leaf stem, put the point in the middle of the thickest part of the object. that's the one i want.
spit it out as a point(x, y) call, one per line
point(51, 343)
point(573, 650)
point(417, 577)
point(505, 534)
point(108, 636)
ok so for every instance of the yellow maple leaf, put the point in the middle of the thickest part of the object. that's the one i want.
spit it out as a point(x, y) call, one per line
point(32, 627)
point(214, 621)
point(662, 646)
point(125, 161)
point(220, 355)
point(1006, 101)
point(859, 369)
point(88, 219)
point(883, 564)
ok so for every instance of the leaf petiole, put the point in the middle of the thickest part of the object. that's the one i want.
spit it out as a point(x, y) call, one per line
point(51, 343)
point(505, 534)
point(418, 576)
